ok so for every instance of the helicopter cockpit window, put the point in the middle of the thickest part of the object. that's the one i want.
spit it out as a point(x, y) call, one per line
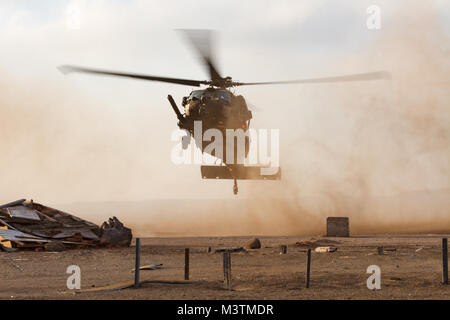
point(196, 95)
point(213, 95)
point(223, 95)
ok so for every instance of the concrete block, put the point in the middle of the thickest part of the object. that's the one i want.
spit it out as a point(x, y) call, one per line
point(338, 227)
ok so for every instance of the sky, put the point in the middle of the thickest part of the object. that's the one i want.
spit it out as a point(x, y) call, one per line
point(102, 138)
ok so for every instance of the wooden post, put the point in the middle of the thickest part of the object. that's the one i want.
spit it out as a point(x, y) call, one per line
point(283, 249)
point(227, 270)
point(186, 264)
point(308, 268)
point(138, 262)
point(444, 261)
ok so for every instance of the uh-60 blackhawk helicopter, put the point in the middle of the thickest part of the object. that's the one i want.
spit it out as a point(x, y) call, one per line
point(219, 108)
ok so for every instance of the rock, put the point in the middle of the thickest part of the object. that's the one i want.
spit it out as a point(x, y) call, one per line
point(253, 244)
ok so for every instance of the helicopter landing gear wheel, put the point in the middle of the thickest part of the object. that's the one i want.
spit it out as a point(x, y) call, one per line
point(235, 187)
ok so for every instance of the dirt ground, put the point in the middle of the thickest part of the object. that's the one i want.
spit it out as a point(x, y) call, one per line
point(412, 271)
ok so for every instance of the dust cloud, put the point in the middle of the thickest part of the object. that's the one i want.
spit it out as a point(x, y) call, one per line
point(376, 152)
point(62, 145)
point(383, 159)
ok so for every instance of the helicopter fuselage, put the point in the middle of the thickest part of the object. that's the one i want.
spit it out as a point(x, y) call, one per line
point(219, 109)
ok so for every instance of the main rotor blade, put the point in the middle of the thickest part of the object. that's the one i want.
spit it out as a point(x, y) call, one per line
point(347, 78)
point(201, 41)
point(187, 82)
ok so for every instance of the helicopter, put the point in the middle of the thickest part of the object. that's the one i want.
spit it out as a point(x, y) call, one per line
point(217, 107)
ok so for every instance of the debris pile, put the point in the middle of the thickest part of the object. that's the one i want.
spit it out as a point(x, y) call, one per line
point(30, 225)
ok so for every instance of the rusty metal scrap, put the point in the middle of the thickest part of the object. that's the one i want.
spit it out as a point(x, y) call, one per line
point(22, 213)
point(115, 233)
point(32, 225)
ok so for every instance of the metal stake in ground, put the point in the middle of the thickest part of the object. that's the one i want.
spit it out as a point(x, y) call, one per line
point(186, 264)
point(444, 261)
point(308, 268)
point(138, 262)
point(227, 270)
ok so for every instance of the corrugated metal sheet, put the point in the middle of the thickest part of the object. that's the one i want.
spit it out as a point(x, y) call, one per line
point(21, 212)
point(14, 235)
